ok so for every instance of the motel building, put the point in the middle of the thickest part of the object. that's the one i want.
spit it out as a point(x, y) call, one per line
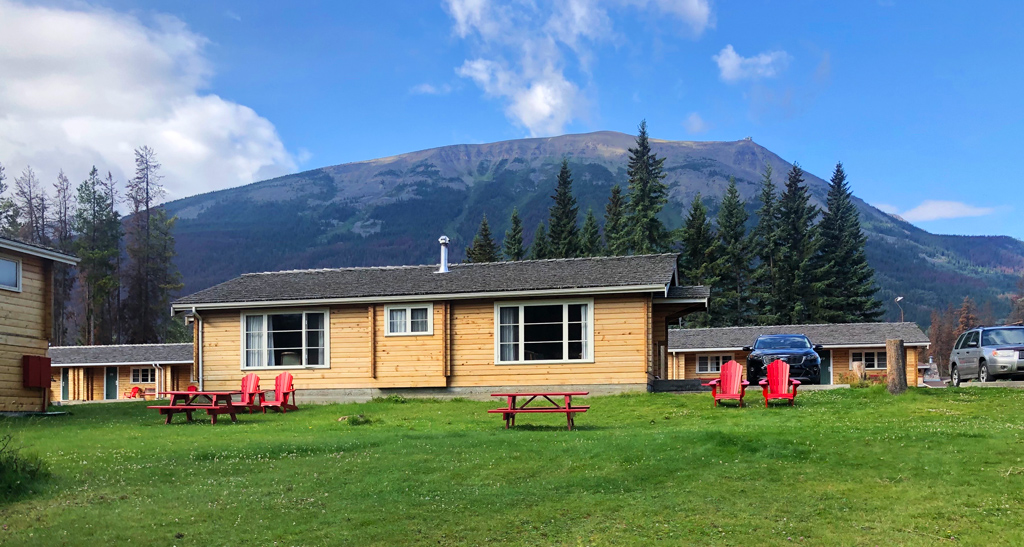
point(110, 373)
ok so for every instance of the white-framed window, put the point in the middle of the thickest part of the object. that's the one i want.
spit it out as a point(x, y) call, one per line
point(10, 274)
point(409, 320)
point(709, 364)
point(143, 375)
point(544, 332)
point(873, 360)
point(285, 339)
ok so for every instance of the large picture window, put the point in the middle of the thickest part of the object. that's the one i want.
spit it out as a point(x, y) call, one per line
point(873, 360)
point(544, 332)
point(412, 320)
point(707, 364)
point(10, 274)
point(292, 339)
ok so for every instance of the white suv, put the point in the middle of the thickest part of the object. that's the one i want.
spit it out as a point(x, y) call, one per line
point(987, 352)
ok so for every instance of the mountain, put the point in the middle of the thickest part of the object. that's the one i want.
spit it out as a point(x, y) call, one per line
point(391, 210)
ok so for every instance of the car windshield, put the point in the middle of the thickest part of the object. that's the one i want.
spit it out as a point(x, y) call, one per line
point(782, 342)
point(1009, 336)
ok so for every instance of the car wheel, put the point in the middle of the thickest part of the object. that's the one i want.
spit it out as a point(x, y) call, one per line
point(954, 376)
point(983, 373)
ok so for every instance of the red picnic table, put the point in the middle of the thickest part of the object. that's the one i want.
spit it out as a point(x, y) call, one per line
point(510, 410)
point(213, 402)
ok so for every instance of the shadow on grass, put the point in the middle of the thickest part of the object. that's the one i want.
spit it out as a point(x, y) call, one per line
point(577, 427)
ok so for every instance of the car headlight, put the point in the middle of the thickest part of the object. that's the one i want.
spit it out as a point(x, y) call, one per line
point(1003, 353)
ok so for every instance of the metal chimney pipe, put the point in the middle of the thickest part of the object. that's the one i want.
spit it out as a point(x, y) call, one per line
point(443, 240)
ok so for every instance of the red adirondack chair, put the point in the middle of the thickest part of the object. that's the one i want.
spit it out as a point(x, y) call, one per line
point(778, 383)
point(135, 393)
point(250, 392)
point(192, 388)
point(283, 391)
point(730, 386)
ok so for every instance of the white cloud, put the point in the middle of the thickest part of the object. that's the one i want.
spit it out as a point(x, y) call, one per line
point(520, 50)
point(886, 208)
point(695, 124)
point(430, 89)
point(83, 87)
point(941, 210)
point(733, 67)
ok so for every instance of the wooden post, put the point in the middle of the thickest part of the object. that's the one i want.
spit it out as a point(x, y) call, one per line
point(372, 310)
point(896, 366)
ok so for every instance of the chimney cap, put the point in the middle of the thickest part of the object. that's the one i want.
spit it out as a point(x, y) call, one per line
point(443, 240)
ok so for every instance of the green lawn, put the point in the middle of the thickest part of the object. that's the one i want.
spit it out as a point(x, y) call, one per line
point(844, 467)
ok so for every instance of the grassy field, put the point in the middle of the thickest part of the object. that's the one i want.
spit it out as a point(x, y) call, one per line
point(844, 467)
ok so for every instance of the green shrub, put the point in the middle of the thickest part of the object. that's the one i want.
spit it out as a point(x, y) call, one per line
point(359, 420)
point(18, 473)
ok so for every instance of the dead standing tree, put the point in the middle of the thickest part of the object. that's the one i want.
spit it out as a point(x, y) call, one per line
point(896, 367)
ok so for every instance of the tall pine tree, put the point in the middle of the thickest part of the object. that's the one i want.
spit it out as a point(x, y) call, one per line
point(800, 282)
point(616, 238)
point(647, 196)
point(765, 244)
point(8, 210)
point(700, 260)
point(33, 204)
point(539, 249)
point(849, 296)
point(62, 240)
point(736, 273)
point(590, 236)
point(98, 246)
point(151, 273)
point(563, 234)
point(514, 249)
point(483, 249)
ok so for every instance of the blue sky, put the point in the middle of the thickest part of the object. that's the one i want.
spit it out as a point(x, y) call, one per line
point(920, 100)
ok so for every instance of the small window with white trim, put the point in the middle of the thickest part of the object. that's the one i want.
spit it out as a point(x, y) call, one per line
point(10, 274)
point(410, 320)
point(143, 376)
point(711, 364)
point(544, 332)
point(287, 339)
point(873, 360)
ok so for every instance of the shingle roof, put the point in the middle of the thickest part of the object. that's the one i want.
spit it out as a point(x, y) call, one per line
point(35, 249)
point(126, 354)
point(401, 281)
point(683, 291)
point(846, 334)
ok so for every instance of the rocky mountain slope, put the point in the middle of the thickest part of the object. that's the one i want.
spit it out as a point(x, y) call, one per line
point(391, 211)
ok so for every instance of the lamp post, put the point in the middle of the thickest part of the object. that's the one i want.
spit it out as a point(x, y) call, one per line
point(898, 298)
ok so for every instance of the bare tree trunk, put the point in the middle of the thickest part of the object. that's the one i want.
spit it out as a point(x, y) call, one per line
point(896, 366)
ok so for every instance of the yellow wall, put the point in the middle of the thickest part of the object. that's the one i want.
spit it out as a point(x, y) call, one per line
point(25, 324)
point(462, 345)
point(87, 383)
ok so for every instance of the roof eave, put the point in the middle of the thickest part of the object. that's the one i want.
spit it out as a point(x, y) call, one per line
point(17, 246)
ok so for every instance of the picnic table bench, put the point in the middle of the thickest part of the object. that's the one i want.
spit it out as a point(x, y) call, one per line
point(511, 409)
point(187, 402)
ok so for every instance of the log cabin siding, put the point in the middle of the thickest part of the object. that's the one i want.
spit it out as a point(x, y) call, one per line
point(25, 324)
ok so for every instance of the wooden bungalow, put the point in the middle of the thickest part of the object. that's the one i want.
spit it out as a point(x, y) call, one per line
point(598, 324)
point(97, 373)
point(699, 353)
point(26, 323)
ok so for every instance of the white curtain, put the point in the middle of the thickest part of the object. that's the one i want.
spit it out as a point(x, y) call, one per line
point(397, 319)
point(508, 319)
point(583, 331)
point(254, 341)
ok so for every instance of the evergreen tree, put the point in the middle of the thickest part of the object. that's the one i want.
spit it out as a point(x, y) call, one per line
point(647, 196)
point(1017, 303)
point(540, 249)
point(8, 210)
point(735, 277)
point(563, 234)
point(63, 274)
point(850, 295)
point(151, 274)
point(98, 246)
point(483, 249)
point(765, 244)
point(590, 236)
point(33, 205)
point(700, 261)
point(616, 238)
point(799, 281)
point(966, 316)
point(514, 249)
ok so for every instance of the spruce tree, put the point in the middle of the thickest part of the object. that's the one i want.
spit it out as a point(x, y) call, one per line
point(98, 246)
point(850, 295)
point(590, 236)
point(700, 261)
point(647, 196)
point(8, 210)
point(563, 233)
point(735, 276)
point(62, 240)
point(616, 238)
point(483, 249)
point(765, 244)
point(800, 283)
point(539, 249)
point(33, 204)
point(966, 316)
point(514, 238)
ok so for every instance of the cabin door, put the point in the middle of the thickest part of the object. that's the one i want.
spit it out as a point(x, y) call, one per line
point(110, 384)
point(65, 388)
point(826, 367)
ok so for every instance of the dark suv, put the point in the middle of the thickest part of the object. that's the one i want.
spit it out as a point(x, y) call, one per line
point(795, 349)
point(986, 353)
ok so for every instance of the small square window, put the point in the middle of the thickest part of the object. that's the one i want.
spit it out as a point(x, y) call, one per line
point(409, 320)
point(10, 274)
